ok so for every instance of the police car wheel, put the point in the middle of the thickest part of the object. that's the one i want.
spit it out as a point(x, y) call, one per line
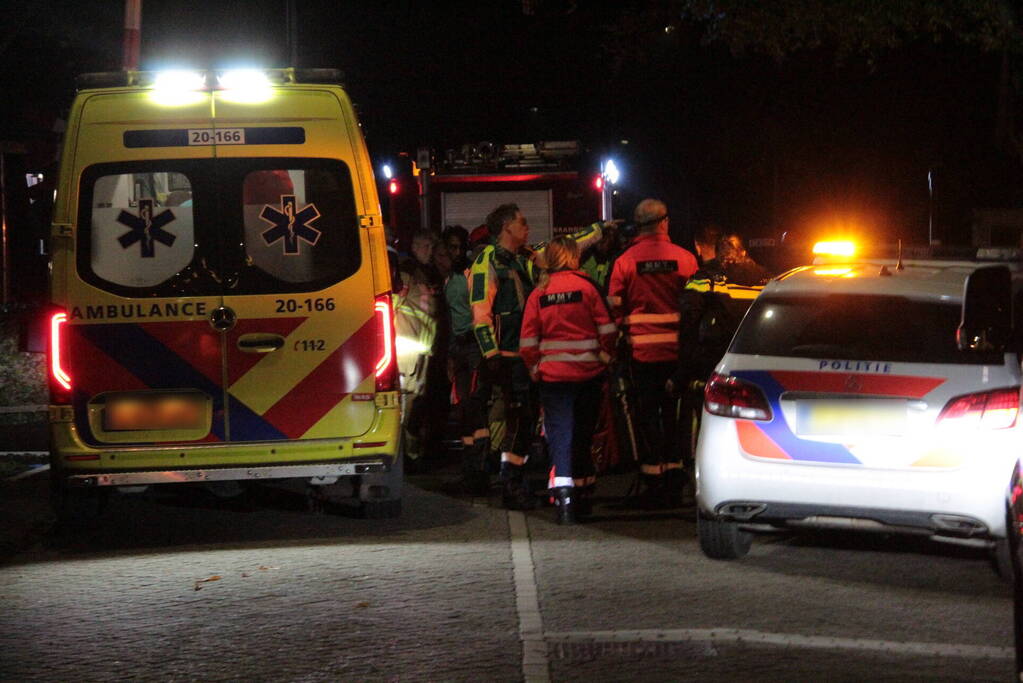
point(1001, 559)
point(720, 540)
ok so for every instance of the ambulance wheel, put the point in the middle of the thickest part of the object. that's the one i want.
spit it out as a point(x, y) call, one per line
point(720, 540)
point(76, 509)
point(380, 494)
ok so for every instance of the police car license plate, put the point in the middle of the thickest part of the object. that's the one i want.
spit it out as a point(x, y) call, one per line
point(216, 136)
point(864, 417)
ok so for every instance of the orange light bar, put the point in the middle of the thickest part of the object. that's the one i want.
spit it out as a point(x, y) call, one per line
point(835, 248)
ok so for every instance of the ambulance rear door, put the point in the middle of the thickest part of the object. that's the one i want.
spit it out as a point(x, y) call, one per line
point(298, 307)
point(139, 282)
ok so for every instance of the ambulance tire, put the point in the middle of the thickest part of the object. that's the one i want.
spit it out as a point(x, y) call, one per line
point(380, 494)
point(721, 540)
point(76, 509)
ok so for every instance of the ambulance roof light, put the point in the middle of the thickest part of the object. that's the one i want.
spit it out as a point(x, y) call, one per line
point(245, 86)
point(176, 88)
point(835, 248)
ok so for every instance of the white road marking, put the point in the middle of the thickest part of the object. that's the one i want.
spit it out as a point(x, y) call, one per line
point(733, 635)
point(535, 667)
point(38, 469)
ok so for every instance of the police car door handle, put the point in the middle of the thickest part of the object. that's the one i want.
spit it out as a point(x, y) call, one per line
point(260, 343)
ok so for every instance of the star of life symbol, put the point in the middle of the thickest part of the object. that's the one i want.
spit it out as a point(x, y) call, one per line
point(290, 224)
point(146, 229)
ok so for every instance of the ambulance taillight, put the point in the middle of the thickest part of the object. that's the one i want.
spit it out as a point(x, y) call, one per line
point(60, 380)
point(387, 365)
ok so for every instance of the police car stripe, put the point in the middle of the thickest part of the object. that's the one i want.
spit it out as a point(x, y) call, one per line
point(835, 377)
point(778, 431)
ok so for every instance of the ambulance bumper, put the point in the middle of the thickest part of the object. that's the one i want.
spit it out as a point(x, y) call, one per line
point(325, 472)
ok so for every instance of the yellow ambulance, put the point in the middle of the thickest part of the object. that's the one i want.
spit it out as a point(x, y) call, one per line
point(221, 291)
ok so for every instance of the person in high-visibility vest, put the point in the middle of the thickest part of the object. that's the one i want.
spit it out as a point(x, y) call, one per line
point(500, 279)
point(646, 282)
point(712, 305)
point(566, 342)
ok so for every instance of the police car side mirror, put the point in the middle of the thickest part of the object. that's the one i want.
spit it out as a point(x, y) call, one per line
point(986, 321)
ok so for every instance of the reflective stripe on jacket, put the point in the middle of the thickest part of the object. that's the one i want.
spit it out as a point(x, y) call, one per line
point(646, 282)
point(567, 332)
point(499, 284)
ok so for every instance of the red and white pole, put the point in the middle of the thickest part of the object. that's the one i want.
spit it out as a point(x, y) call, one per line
point(132, 34)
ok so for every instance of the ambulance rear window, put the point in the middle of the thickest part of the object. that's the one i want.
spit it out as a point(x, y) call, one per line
point(301, 228)
point(855, 327)
point(141, 227)
point(206, 227)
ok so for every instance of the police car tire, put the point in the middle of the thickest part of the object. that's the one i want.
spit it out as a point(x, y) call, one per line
point(1001, 559)
point(720, 540)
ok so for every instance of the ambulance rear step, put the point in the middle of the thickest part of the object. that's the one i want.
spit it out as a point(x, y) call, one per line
point(317, 474)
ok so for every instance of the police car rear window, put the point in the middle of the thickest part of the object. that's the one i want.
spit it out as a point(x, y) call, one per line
point(855, 327)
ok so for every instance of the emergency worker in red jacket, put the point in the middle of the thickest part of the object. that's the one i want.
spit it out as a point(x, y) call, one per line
point(646, 282)
point(566, 341)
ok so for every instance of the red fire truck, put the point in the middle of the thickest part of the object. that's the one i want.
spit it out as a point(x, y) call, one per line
point(558, 186)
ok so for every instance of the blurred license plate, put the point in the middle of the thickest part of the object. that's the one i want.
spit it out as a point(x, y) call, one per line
point(145, 413)
point(851, 417)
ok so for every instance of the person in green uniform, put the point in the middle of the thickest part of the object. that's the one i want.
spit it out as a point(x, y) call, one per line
point(501, 278)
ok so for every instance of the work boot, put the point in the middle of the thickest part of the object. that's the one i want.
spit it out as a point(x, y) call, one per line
point(566, 504)
point(516, 496)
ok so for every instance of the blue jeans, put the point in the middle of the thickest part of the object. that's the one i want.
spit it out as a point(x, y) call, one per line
point(570, 411)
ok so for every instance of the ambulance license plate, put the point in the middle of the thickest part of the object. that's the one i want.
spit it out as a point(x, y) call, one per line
point(147, 413)
point(863, 417)
point(216, 136)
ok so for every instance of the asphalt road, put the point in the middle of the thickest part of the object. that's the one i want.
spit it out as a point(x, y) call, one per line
point(193, 587)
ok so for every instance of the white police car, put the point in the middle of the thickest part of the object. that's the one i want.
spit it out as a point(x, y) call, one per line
point(865, 395)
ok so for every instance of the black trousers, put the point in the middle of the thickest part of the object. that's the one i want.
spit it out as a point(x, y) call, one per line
point(656, 418)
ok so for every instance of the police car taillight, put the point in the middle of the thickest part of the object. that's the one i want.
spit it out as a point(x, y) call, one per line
point(386, 369)
point(60, 380)
point(733, 397)
point(996, 409)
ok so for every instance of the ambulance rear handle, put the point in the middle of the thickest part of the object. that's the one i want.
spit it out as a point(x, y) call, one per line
point(260, 343)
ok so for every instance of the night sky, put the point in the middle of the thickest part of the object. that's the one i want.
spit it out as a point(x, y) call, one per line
point(755, 144)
